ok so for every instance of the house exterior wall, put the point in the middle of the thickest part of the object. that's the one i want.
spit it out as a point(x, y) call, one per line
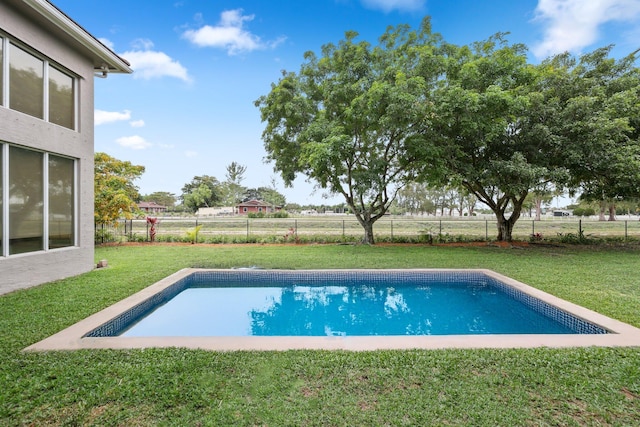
point(247, 209)
point(29, 269)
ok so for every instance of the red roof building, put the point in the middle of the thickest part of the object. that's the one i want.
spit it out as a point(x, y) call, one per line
point(151, 207)
point(255, 206)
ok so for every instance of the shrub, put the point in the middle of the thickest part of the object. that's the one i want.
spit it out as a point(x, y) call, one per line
point(192, 234)
point(584, 211)
point(280, 214)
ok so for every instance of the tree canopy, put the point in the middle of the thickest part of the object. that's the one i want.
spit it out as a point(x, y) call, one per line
point(115, 192)
point(600, 125)
point(345, 119)
point(492, 125)
point(202, 191)
point(231, 189)
point(364, 121)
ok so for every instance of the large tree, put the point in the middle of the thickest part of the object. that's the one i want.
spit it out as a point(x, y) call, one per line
point(345, 119)
point(232, 189)
point(600, 125)
point(202, 191)
point(115, 192)
point(493, 125)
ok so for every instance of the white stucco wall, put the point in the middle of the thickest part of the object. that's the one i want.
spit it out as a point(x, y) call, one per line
point(20, 271)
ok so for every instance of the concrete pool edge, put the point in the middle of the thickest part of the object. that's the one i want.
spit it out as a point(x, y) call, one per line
point(71, 338)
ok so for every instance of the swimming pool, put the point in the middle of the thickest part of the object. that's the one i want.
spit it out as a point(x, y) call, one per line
point(393, 292)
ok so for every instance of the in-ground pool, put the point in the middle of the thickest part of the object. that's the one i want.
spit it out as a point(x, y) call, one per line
point(348, 309)
point(241, 303)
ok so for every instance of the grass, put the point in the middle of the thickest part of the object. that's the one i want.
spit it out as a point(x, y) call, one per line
point(536, 387)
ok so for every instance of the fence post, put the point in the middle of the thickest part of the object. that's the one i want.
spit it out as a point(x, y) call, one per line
point(343, 228)
point(130, 229)
point(391, 231)
point(486, 230)
point(147, 222)
point(295, 227)
point(440, 232)
point(195, 239)
point(247, 230)
point(625, 230)
point(533, 228)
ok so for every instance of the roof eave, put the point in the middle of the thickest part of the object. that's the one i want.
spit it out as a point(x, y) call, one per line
point(112, 62)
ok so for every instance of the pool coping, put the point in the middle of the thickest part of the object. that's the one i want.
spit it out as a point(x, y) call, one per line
point(73, 337)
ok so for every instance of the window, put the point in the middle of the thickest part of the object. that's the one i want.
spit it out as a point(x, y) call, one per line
point(26, 201)
point(33, 85)
point(40, 191)
point(61, 96)
point(26, 82)
point(61, 201)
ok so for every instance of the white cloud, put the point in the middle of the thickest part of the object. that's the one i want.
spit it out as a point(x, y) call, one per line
point(389, 5)
point(142, 44)
point(134, 142)
point(148, 64)
point(230, 34)
point(574, 24)
point(108, 43)
point(101, 117)
point(137, 123)
point(191, 153)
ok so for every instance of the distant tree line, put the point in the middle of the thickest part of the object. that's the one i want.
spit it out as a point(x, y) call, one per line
point(206, 191)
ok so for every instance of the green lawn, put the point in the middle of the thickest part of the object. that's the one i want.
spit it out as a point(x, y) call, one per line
point(573, 387)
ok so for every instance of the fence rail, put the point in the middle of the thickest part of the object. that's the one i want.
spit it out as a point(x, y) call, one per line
point(394, 229)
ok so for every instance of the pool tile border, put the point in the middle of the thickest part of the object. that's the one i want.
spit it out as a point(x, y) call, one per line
point(79, 336)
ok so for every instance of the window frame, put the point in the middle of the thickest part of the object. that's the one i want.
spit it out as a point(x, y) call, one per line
point(74, 201)
point(4, 193)
point(7, 41)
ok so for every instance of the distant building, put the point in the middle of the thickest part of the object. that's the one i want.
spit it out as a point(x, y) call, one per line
point(256, 206)
point(47, 67)
point(224, 210)
point(151, 207)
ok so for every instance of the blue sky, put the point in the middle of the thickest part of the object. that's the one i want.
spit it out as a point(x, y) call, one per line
point(199, 65)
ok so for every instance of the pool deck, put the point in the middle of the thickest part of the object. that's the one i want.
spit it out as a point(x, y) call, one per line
point(71, 338)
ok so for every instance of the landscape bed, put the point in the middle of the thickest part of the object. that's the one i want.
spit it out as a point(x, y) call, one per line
point(102, 329)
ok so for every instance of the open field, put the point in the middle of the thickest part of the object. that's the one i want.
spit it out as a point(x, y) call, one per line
point(321, 228)
point(573, 387)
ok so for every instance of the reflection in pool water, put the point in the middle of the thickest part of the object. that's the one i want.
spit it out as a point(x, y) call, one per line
point(359, 308)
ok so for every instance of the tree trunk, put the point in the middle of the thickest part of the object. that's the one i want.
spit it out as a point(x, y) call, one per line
point(505, 228)
point(471, 210)
point(538, 208)
point(602, 209)
point(612, 212)
point(368, 232)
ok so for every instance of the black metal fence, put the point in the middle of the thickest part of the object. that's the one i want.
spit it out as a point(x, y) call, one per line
point(347, 228)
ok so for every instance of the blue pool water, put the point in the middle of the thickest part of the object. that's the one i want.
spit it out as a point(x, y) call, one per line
point(345, 304)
